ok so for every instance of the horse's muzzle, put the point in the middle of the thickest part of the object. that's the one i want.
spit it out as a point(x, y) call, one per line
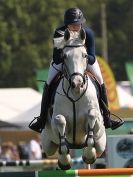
point(77, 85)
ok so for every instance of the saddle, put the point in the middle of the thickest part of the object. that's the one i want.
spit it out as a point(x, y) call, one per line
point(96, 84)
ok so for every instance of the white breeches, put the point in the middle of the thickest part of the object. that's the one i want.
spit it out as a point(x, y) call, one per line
point(53, 70)
point(94, 69)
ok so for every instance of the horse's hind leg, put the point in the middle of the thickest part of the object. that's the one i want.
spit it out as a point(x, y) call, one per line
point(89, 152)
point(59, 126)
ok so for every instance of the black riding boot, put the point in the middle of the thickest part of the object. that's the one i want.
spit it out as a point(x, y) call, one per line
point(39, 125)
point(108, 122)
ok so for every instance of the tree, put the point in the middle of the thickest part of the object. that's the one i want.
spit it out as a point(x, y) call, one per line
point(120, 29)
point(26, 30)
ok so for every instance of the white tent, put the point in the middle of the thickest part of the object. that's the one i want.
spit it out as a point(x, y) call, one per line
point(26, 117)
point(16, 101)
point(124, 94)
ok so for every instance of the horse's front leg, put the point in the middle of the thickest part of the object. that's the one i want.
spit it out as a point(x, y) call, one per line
point(89, 152)
point(59, 126)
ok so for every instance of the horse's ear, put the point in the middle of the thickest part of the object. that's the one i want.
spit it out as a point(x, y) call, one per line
point(82, 34)
point(67, 35)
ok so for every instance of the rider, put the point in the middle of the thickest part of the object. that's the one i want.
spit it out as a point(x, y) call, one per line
point(73, 20)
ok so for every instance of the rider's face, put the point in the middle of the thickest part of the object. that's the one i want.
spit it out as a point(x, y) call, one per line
point(74, 27)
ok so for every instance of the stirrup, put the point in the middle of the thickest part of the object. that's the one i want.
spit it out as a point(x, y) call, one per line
point(117, 123)
point(33, 120)
point(34, 127)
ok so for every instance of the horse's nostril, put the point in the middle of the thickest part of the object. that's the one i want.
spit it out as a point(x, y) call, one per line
point(73, 85)
point(82, 85)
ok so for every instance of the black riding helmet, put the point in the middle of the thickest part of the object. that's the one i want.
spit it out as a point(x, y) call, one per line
point(74, 16)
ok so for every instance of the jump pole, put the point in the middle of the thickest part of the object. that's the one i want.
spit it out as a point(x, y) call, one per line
point(121, 172)
point(110, 172)
point(49, 162)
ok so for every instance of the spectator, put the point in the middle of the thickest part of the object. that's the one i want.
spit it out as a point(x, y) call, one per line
point(23, 149)
point(35, 148)
point(9, 151)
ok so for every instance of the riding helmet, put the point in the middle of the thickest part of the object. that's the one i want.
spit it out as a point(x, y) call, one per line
point(73, 16)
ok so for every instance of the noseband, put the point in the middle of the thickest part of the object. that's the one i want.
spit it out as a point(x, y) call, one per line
point(77, 74)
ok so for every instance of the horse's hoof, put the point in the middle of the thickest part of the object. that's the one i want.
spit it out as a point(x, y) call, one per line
point(89, 155)
point(64, 161)
point(89, 161)
point(64, 167)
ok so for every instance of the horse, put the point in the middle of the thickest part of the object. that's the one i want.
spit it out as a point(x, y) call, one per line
point(76, 121)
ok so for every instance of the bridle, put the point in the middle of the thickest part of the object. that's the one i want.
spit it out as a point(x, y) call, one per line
point(65, 70)
point(68, 76)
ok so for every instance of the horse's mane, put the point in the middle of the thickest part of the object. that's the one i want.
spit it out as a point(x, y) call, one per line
point(74, 40)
